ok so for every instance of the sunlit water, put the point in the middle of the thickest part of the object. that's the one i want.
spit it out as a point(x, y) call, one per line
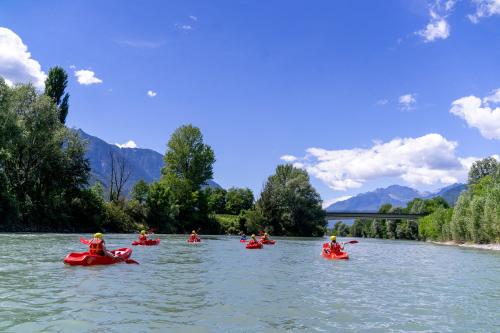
point(219, 286)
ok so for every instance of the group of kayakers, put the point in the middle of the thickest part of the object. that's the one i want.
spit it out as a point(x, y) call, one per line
point(253, 238)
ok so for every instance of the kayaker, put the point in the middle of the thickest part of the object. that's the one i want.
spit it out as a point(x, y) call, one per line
point(253, 239)
point(334, 246)
point(265, 237)
point(243, 236)
point(194, 237)
point(97, 247)
point(143, 237)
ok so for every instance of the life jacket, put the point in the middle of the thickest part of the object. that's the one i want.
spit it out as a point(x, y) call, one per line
point(96, 247)
point(335, 248)
point(143, 238)
point(252, 241)
point(193, 237)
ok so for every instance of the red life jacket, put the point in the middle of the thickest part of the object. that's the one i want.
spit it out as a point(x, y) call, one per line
point(336, 248)
point(96, 247)
point(193, 237)
point(143, 238)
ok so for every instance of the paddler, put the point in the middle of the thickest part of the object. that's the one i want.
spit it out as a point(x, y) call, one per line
point(253, 239)
point(97, 247)
point(265, 237)
point(143, 237)
point(243, 236)
point(334, 246)
point(194, 237)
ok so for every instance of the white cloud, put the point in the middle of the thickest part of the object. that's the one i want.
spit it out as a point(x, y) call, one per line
point(185, 27)
point(288, 158)
point(151, 93)
point(429, 159)
point(87, 77)
point(16, 64)
point(438, 27)
point(382, 101)
point(194, 18)
point(407, 102)
point(485, 8)
point(329, 202)
point(480, 114)
point(128, 144)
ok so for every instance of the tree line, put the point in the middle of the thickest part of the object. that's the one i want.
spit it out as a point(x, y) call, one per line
point(44, 180)
point(474, 218)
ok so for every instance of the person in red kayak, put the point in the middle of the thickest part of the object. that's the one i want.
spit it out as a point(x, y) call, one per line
point(194, 237)
point(265, 237)
point(252, 240)
point(143, 237)
point(97, 247)
point(334, 246)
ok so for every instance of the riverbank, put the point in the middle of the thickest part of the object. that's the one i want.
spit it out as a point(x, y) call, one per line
point(491, 247)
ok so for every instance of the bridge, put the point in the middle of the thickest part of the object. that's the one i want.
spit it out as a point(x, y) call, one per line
point(371, 215)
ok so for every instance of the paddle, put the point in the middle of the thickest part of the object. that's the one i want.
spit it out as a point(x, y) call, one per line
point(351, 242)
point(84, 241)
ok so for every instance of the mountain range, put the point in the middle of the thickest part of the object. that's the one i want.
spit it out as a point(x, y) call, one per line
point(396, 195)
point(145, 164)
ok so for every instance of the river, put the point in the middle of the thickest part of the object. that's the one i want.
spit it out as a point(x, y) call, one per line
point(219, 286)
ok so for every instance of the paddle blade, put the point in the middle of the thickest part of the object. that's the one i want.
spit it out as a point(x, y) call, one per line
point(352, 242)
point(131, 261)
point(84, 241)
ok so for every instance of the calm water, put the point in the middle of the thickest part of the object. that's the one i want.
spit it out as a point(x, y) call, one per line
point(219, 286)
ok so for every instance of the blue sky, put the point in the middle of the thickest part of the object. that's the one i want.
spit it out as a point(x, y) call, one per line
point(383, 91)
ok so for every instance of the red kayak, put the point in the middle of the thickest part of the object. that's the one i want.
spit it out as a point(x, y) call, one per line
point(148, 242)
point(327, 254)
point(87, 259)
point(194, 241)
point(268, 242)
point(254, 245)
point(243, 240)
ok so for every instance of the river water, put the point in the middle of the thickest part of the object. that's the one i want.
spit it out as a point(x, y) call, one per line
point(219, 286)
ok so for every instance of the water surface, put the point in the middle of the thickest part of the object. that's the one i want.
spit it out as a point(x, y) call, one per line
point(219, 286)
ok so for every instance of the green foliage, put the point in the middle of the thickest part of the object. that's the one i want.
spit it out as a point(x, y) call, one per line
point(140, 192)
point(229, 224)
point(188, 158)
point(55, 86)
point(253, 221)
point(482, 168)
point(290, 205)
point(162, 211)
point(340, 229)
point(238, 199)
point(216, 200)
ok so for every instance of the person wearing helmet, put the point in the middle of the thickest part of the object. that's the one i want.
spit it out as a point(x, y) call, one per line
point(194, 237)
point(334, 246)
point(143, 237)
point(97, 246)
point(253, 240)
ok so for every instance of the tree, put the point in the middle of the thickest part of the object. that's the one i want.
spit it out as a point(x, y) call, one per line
point(140, 191)
point(482, 168)
point(55, 86)
point(120, 174)
point(216, 200)
point(290, 205)
point(188, 158)
point(238, 199)
point(340, 229)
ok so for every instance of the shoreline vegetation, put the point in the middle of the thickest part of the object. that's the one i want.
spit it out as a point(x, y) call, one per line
point(44, 181)
point(489, 247)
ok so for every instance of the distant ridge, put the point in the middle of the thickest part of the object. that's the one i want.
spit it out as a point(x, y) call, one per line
point(396, 195)
point(144, 163)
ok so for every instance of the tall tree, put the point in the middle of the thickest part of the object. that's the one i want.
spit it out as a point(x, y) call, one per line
point(290, 205)
point(482, 168)
point(55, 86)
point(188, 157)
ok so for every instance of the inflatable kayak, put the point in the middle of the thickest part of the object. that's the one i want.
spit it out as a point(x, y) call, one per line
point(331, 255)
point(148, 242)
point(243, 240)
point(194, 241)
point(87, 259)
point(269, 241)
point(254, 245)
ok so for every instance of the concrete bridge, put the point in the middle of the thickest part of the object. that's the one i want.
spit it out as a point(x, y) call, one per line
point(371, 215)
